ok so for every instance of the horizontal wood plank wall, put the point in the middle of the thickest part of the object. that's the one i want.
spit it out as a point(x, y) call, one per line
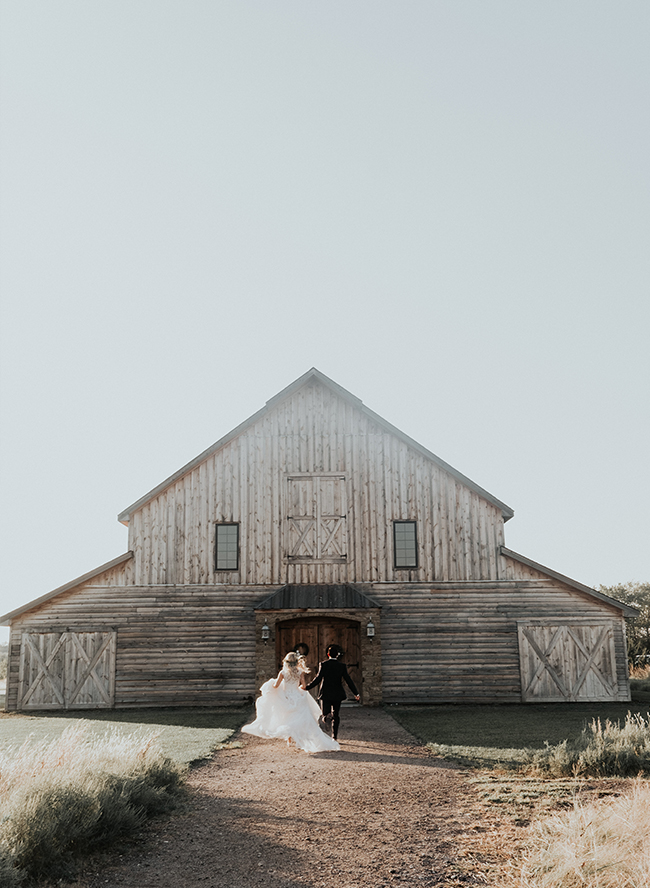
point(176, 646)
point(458, 642)
point(315, 431)
point(196, 644)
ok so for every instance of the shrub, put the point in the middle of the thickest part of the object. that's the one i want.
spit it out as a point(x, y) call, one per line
point(638, 628)
point(600, 751)
point(9, 877)
point(604, 844)
point(65, 797)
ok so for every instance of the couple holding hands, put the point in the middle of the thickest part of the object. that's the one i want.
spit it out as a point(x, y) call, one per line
point(286, 711)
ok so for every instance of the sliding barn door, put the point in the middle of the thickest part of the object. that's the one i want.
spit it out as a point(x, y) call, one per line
point(42, 668)
point(568, 661)
point(67, 670)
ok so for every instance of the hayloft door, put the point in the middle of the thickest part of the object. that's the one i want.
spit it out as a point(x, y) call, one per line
point(316, 516)
point(317, 633)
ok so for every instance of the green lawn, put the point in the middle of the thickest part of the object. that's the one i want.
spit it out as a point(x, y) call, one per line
point(493, 734)
point(640, 688)
point(186, 735)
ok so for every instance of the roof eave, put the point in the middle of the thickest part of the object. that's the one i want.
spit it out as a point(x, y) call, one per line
point(627, 609)
point(4, 620)
point(506, 511)
point(313, 373)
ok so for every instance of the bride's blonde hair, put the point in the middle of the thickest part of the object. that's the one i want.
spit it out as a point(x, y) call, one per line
point(295, 663)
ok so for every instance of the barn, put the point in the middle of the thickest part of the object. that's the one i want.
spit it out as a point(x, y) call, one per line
point(316, 521)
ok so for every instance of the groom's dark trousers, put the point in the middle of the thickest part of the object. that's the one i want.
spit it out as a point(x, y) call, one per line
point(331, 693)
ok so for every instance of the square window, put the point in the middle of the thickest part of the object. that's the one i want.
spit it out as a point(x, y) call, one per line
point(226, 547)
point(405, 544)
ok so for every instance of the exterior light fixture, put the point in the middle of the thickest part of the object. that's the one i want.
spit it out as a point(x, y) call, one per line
point(370, 629)
point(266, 632)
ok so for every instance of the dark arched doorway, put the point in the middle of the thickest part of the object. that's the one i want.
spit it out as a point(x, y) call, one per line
point(317, 633)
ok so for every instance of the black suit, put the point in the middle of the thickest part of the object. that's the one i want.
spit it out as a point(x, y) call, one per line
point(331, 693)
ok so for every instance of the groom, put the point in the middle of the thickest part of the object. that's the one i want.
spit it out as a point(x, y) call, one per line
point(331, 693)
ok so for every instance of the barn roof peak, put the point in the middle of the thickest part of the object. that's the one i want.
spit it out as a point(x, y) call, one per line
point(311, 376)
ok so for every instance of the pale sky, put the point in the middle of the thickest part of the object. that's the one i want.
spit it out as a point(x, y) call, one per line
point(444, 206)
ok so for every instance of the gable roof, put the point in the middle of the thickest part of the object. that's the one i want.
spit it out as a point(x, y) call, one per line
point(627, 609)
point(314, 375)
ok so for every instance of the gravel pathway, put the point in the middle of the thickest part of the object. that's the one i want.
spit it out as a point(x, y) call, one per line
point(381, 812)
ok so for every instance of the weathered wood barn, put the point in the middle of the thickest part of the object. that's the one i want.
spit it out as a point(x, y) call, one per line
point(316, 521)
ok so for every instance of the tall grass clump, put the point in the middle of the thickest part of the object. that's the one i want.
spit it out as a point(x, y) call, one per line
point(604, 844)
point(640, 673)
point(62, 798)
point(608, 750)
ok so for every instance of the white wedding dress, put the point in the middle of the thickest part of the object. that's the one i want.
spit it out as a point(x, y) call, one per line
point(289, 712)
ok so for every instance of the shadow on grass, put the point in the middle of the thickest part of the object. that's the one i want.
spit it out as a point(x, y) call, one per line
point(187, 735)
point(640, 689)
point(492, 735)
point(187, 717)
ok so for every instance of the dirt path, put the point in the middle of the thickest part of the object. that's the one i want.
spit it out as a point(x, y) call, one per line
point(381, 812)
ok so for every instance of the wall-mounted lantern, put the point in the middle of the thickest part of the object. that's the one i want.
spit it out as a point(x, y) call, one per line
point(266, 632)
point(370, 629)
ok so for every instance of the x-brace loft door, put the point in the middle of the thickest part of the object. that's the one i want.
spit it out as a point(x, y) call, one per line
point(568, 661)
point(316, 518)
point(67, 670)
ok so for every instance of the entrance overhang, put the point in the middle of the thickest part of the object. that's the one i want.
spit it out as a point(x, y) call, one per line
point(324, 596)
point(309, 602)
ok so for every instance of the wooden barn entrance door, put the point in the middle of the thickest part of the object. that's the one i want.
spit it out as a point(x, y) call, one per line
point(568, 662)
point(67, 670)
point(318, 633)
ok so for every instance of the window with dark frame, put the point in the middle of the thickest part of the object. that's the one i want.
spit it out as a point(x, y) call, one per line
point(226, 547)
point(405, 544)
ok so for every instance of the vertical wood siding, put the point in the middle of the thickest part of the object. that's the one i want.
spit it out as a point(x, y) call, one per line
point(122, 575)
point(314, 431)
point(515, 570)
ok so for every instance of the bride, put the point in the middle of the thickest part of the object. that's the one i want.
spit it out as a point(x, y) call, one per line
point(288, 712)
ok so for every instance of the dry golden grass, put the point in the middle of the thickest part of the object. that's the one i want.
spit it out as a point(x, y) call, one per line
point(64, 797)
point(505, 804)
point(74, 753)
point(601, 844)
point(640, 672)
point(603, 750)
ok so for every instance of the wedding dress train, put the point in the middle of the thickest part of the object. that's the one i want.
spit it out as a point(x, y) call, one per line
point(288, 712)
